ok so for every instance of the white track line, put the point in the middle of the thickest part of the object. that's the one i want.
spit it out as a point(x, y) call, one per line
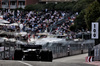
point(25, 63)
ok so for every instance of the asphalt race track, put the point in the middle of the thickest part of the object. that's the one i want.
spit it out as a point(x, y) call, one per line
point(77, 60)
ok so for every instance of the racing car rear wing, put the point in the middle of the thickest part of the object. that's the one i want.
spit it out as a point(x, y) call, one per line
point(31, 46)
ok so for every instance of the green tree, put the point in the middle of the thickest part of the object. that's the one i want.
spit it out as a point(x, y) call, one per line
point(80, 21)
point(29, 8)
point(59, 6)
point(73, 27)
point(50, 6)
point(92, 13)
point(69, 6)
point(38, 6)
point(81, 4)
point(34, 7)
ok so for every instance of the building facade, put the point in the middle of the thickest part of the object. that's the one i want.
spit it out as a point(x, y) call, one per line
point(0, 3)
point(12, 4)
point(55, 1)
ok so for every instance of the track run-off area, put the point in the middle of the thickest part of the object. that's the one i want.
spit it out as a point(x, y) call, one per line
point(77, 60)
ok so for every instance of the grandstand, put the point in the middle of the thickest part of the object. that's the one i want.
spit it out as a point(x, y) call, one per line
point(52, 21)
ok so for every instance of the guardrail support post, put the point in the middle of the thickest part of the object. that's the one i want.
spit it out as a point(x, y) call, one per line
point(4, 49)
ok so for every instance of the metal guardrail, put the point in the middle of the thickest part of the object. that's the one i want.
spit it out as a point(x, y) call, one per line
point(59, 49)
point(97, 53)
point(7, 50)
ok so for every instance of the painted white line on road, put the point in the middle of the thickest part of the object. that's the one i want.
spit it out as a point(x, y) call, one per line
point(25, 63)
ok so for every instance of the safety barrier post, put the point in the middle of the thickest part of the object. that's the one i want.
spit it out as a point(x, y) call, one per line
point(89, 58)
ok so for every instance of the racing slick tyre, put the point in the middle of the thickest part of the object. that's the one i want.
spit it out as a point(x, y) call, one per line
point(18, 54)
point(46, 56)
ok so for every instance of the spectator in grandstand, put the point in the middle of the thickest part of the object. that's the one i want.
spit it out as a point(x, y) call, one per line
point(36, 21)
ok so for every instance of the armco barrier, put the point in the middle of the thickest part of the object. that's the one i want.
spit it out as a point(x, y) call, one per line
point(97, 53)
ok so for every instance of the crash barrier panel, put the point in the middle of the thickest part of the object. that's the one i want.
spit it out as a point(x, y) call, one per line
point(6, 56)
point(61, 49)
point(67, 49)
point(89, 58)
point(97, 53)
point(0, 55)
point(90, 52)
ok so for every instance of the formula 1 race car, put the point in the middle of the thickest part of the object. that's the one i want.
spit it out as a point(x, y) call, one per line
point(33, 53)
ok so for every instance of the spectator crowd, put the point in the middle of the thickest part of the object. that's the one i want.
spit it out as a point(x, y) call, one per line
point(38, 21)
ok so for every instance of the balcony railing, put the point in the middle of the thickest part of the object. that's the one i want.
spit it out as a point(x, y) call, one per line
point(13, 6)
point(21, 6)
point(5, 6)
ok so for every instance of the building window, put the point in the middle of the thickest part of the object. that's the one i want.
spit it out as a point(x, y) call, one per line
point(3, 3)
point(21, 2)
point(24, 3)
point(12, 3)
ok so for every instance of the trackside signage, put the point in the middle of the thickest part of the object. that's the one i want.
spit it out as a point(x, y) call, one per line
point(95, 30)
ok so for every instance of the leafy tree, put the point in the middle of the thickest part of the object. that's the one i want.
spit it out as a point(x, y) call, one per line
point(69, 6)
point(80, 21)
point(92, 13)
point(73, 27)
point(81, 4)
point(59, 6)
point(98, 19)
point(38, 6)
point(29, 8)
point(50, 6)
